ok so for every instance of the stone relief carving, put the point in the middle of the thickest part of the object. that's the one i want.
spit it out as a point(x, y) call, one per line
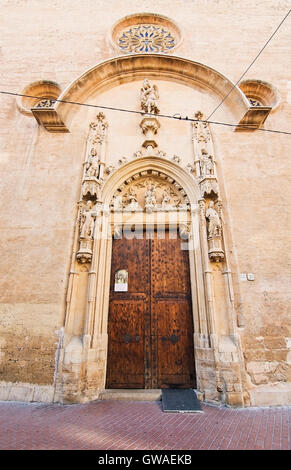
point(150, 193)
point(98, 129)
point(150, 197)
point(201, 130)
point(148, 97)
point(131, 196)
point(206, 164)
point(166, 198)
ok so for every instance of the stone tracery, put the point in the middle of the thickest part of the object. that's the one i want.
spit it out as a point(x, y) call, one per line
point(146, 38)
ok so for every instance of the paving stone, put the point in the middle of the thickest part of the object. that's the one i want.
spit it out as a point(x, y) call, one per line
point(111, 424)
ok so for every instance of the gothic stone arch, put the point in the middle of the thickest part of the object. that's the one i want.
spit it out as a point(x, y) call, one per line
point(81, 371)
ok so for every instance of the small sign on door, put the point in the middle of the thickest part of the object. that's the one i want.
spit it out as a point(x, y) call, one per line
point(121, 281)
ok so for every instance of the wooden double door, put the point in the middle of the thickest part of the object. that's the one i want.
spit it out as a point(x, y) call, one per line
point(150, 325)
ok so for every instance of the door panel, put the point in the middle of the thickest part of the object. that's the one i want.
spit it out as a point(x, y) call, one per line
point(126, 351)
point(174, 334)
point(150, 326)
point(128, 315)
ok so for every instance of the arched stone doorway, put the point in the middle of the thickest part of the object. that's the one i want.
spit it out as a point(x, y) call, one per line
point(83, 359)
point(83, 354)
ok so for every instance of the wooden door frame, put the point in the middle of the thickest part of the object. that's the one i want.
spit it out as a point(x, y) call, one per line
point(141, 226)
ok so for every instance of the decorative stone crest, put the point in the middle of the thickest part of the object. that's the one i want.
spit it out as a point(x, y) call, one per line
point(46, 103)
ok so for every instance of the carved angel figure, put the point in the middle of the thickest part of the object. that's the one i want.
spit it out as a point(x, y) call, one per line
point(87, 221)
point(214, 223)
point(149, 97)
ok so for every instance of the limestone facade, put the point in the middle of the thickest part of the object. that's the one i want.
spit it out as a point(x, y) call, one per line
point(74, 176)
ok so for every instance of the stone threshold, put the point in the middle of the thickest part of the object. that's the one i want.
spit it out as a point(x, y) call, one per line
point(131, 394)
point(136, 394)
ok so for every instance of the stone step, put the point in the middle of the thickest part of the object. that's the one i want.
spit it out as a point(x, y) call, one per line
point(131, 395)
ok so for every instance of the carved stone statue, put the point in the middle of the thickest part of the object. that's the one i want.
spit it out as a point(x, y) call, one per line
point(206, 164)
point(149, 97)
point(166, 197)
point(87, 221)
point(132, 200)
point(150, 197)
point(214, 223)
point(117, 202)
point(92, 165)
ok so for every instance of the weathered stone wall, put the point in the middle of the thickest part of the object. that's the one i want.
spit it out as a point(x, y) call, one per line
point(41, 172)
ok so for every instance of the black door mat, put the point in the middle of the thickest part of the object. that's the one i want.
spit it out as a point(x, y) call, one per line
point(180, 401)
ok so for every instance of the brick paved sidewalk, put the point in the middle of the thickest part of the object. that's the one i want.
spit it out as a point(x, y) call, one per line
point(141, 425)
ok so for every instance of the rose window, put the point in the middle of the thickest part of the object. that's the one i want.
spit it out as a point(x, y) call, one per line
point(146, 38)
